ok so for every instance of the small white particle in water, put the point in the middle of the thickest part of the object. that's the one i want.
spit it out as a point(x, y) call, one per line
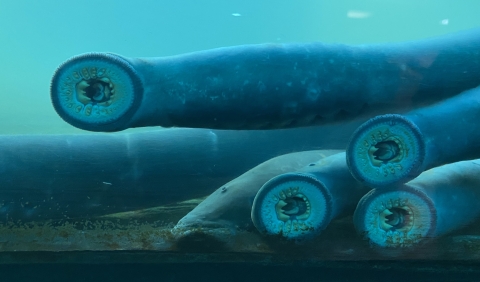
point(236, 14)
point(358, 14)
point(108, 183)
point(444, 22)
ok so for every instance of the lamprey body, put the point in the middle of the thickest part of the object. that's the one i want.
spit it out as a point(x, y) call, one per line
point(395, 148)
point(438, 201)
point(230, 205)
point(299, 205)
point(83, 175)
point(265, 86)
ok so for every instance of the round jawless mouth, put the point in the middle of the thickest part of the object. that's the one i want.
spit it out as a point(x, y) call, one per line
point(395, 219)
point(96, 91)
point(386, 150)
point(293, 205)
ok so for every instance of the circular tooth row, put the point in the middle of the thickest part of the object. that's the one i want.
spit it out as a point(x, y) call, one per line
point(395, 219)
point(396, 137)
point(292, 205)
point(92, 90)
point(399, 155)
point(296, 213)
point(105, 90)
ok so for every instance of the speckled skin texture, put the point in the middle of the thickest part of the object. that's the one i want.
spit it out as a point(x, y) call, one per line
point(269, 86)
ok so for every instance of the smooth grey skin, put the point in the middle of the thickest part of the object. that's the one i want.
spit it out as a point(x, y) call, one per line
point(454, 191)
point(271, 86)
point(69, 176)
point(451, 194)
point(230, 205)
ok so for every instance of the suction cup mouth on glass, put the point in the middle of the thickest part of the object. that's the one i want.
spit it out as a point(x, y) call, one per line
point(293, 205)
point(96, 91)
point(396, 219)
point(385, 150)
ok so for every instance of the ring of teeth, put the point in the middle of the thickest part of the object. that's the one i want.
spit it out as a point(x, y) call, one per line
point(92, 81)
point(105, 92)
point(385, 152)
point(292, 206)
point(379, 138)
point(395, 215)
point(91, 92)
point(398, 218)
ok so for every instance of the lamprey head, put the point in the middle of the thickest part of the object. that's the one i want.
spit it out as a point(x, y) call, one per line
point(295, 206)
point(395, 218)
point(96, 91)
point(386, 150)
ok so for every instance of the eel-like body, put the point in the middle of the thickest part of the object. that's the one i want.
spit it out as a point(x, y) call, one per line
point(230, 205)
point(68, 176)
point(299, 205)
point(396, 148)
point(265, 86)
point(440, 200)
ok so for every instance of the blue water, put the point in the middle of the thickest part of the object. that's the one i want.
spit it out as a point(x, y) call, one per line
point(37, 36)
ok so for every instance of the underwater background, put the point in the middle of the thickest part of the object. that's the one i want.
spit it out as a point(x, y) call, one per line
point(37, 36)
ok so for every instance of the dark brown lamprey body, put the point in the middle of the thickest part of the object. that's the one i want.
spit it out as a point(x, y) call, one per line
point(265, 86)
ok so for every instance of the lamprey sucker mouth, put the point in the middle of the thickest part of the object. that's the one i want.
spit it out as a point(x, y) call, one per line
point(95, 91)
point(385, 150)
point(395, 219)
point(98, 92)
point(292, 205)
